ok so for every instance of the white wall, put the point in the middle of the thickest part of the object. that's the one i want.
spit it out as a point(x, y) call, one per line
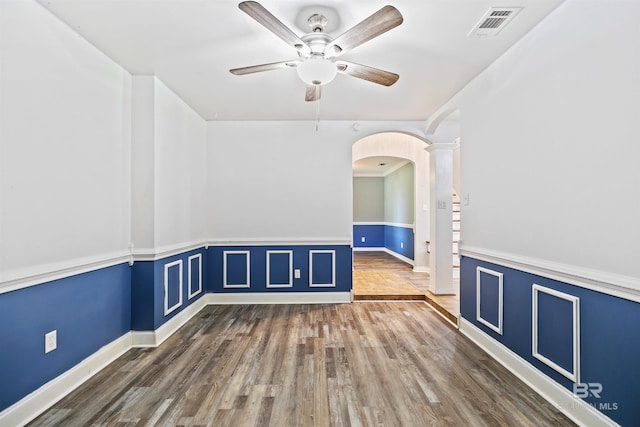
point(65, 134)
point(168, 153)
point(279, 181)
point(180, 136)
point(143, 163)
point(550, 142)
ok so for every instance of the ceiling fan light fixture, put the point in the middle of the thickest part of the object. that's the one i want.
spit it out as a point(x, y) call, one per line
point(317, 71)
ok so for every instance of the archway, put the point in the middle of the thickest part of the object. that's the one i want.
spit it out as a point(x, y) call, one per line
point(410, 149)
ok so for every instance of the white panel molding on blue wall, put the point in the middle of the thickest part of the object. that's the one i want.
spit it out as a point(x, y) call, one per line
point(479, 270)
point(191, 292)
point(333, 268)
point(289, 284)
point(575, 316)
point(167, 267)
point(608, 283)
point(225, 279)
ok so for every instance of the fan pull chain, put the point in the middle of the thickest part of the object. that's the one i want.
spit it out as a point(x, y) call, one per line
point(318, 115)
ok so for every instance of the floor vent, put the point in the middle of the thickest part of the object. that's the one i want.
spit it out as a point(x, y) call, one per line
point(494, 21)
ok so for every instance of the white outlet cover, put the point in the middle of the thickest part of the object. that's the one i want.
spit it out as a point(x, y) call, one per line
point(296, 273)
point(50, 341)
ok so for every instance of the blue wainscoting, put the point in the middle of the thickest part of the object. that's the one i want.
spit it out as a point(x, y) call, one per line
point(373, 235)
point(392, 237)
point(607, 345)
point(235, 269)
point(88, 311)
point(399, 240)
point(163, 288)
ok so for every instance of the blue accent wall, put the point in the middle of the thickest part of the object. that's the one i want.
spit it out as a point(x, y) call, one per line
point(93, 309)
point(373, 234)
point(147, 290)
point(88, 310)
point(394, 236)
point(258, 268)
point(609, 336)
point(142, 296)
point(384, 236)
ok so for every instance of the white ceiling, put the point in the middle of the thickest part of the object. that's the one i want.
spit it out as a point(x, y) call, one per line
point(191, 44)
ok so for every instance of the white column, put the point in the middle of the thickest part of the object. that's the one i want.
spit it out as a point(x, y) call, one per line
point(421, 220)
point(440, 217)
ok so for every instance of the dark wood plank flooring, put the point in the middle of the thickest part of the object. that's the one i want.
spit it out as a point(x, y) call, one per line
point(360, 364)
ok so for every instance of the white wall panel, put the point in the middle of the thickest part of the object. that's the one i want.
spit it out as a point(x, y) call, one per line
point(65, 144)
point(279, 180)
point(179, 169)
point(549, 142)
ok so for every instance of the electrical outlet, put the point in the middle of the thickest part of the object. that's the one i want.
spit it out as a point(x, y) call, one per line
point(362, 239)
point(50, 341)
point(296, 273)
point(401, 245)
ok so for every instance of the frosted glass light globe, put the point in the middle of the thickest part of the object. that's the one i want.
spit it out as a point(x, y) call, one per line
point(317, 71)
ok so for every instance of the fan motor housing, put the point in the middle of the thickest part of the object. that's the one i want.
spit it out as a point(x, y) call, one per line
point(317, 42)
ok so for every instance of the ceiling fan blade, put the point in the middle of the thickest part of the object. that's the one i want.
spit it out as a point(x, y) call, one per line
point(263, 67)
point(380, 22)
point(365, 72)
point(312, 93)
point(273, 24)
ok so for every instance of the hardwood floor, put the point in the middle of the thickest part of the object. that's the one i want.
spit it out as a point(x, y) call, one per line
point(361, 364)
point(383, 285)
point(447, 305)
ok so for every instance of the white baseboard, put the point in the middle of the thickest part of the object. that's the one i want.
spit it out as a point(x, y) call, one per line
point(157, 337)
point(279, 298)
point(389, 251)
point(400, 257)
point(369, 249)
point(32, 405)
point(562, 399)
point(418, 269)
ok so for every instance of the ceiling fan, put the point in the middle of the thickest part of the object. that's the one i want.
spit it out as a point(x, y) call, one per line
point(317, 63)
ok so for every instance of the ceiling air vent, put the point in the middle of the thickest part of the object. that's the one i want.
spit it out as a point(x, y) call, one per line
point(494, 21)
